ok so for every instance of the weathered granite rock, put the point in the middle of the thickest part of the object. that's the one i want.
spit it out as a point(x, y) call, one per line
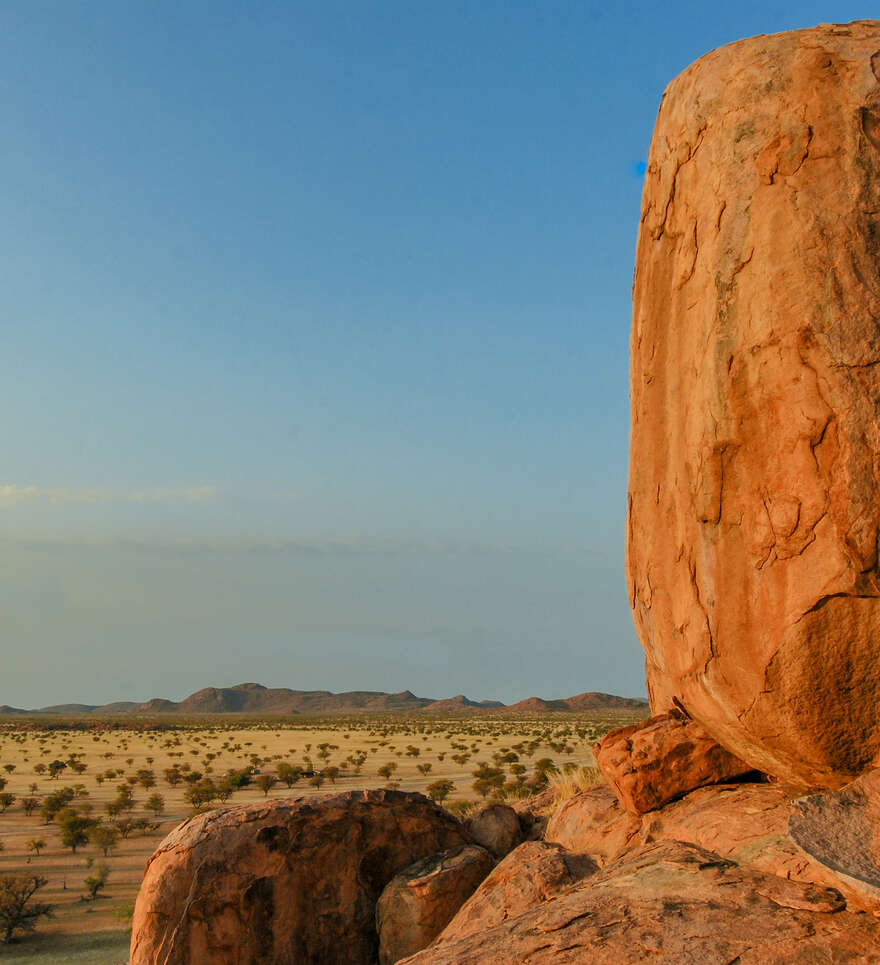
point(658, 760)
point(752, 532)
point(678, 903)
point(419, 903)
point(841, 831)
point(532, 873)
point(283, 881)
point(496, 828)
point(593, 823)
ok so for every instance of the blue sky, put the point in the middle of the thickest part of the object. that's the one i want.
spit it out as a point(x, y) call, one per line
point(315, 323)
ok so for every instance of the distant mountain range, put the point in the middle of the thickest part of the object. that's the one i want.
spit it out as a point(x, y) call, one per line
point(256, 699)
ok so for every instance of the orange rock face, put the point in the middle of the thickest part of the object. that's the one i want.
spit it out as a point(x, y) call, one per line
point(660, 759)
point(753, 496)
point(593, 823)
point(286, 881)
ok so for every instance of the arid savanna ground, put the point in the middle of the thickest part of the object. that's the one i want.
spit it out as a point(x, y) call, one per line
point(169, 766)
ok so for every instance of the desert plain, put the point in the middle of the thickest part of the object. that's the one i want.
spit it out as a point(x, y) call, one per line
point(167, 758)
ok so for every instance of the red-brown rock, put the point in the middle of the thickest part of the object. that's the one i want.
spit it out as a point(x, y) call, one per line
point(660, 759)
point(496, 828)
point(419, 903)
point(282, 882)
point(532, 873)
point(593, 823)
point(674, 902)
point(752, 533)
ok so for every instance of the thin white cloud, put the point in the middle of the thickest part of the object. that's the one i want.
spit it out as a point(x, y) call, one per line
point(12, 495)
point(238, 543)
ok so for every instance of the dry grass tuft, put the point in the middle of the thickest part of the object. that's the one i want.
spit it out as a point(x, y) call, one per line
point(566, 784)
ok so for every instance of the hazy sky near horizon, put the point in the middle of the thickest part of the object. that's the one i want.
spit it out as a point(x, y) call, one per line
point(315, 322)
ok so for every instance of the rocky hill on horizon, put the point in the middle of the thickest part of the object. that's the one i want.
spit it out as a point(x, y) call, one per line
point(254, 698)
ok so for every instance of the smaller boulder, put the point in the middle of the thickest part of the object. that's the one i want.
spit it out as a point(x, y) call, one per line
point(841, 830)
point(662, 758)
point(419, 903)
point(593, 823)
point(495, 828)
point(534, 872)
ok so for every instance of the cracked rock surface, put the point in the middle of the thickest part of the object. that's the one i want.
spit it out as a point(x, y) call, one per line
point(755, 380)
point(674, 902)
point(283, 882)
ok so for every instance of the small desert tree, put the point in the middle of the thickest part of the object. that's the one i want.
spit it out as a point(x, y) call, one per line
point(97, 880)
point(289, 773)
point(74, 830)
point(265, 782)
point(440, 790)
point(18, 910)
point(104, 836)
point(36, 845)
point(156, 804)
point(488, 779)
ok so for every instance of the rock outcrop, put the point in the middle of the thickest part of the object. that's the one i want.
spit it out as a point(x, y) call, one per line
point(752, 532)
point(532, 873)
point(660, 759)
point(679, 903)
point(286, 881)
point(495, 827)
point(419, 903)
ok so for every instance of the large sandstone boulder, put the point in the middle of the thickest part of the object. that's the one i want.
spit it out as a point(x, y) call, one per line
point(286, 882)
point(532, 873)
point(752, 530)
point(419, 903)
point(674, 902)
point(660, 759)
